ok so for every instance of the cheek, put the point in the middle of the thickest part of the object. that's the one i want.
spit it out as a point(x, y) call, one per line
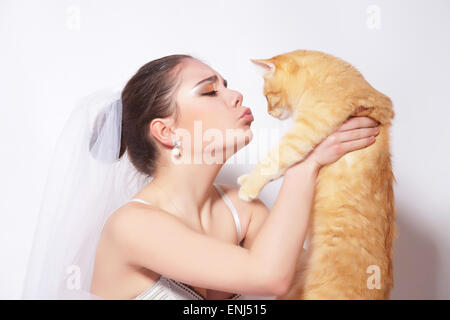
point(219, 118)
point(219, 126)
point(209, 116)
point(197, 115)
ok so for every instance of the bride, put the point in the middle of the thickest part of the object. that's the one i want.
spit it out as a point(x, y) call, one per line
point(131, 209)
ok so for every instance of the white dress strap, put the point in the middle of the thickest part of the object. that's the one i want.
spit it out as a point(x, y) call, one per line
point(233, 210)
point(140, 200)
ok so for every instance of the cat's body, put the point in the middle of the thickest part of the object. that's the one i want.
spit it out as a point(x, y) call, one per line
point(352, 220)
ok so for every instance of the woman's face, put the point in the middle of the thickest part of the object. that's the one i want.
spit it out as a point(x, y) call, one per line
point(210, 112)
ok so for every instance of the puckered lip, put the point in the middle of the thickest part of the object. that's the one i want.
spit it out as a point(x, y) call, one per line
point(245, 112)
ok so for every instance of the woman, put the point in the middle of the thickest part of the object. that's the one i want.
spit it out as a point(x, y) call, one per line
point(187, 233)
point(181, 236)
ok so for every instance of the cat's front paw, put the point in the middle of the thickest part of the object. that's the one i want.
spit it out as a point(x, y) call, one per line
point(247, 191)
point(241, 179)
point(246, 195)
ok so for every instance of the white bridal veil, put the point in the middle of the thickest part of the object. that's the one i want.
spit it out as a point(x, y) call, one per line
point(85, 184)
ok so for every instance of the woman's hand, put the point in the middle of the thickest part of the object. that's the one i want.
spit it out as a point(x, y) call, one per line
point(355, 133)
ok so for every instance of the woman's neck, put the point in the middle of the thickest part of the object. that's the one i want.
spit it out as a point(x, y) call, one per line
point(185, 187)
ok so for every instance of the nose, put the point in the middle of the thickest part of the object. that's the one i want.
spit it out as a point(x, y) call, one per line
point(237, 99)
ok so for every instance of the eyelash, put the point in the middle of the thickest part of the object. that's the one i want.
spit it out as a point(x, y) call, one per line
point(214, 92)
point(211, 93)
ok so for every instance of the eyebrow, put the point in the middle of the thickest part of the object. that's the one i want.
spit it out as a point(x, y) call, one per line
point(213, 78)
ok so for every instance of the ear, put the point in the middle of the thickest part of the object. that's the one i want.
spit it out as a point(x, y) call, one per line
point(267, 64)
point(160, 130)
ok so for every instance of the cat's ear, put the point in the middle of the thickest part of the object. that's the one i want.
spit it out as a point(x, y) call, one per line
point(266, 64)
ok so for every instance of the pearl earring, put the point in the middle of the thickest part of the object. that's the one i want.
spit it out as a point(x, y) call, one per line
point(176, 152)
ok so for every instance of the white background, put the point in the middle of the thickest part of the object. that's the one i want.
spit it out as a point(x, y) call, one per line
point(54, 52)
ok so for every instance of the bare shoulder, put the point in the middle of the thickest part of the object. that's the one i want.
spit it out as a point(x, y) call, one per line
point(125, 218)
point(121, 232)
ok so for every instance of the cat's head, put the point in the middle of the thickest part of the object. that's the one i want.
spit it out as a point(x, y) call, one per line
point(305, 75)
point(287, 76)
point(282, 82)
point(275, 77)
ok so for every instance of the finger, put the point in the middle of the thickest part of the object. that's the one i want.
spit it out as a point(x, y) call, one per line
point(356, 134)
point(358, 122)
point(356, 144)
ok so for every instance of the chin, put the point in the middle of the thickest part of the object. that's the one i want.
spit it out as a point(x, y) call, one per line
point(284, 116)
point(245, 140)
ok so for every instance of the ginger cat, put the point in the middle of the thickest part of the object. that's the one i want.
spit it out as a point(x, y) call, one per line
point(352, 220)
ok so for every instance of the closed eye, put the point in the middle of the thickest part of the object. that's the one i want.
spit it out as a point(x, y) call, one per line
point(211, 93)
point(214, 92)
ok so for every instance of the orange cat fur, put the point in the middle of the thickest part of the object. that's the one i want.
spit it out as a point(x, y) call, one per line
point(352, 220)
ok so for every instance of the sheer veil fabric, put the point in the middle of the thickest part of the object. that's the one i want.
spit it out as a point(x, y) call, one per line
point(85, 184)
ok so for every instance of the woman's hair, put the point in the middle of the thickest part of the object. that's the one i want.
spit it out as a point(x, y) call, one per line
point(149, 94)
